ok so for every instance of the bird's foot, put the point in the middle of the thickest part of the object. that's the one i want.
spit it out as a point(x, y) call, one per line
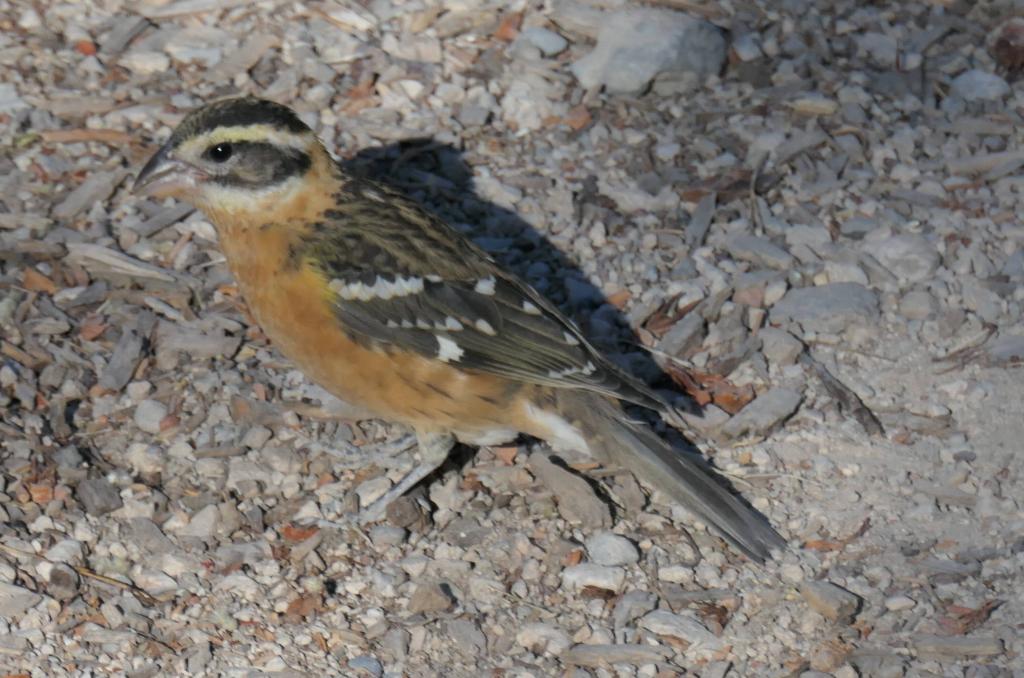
point(391, 448)
point(434, 449)
point(386, 449)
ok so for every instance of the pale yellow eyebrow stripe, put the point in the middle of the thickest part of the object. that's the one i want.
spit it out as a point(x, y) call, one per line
point(263, 133)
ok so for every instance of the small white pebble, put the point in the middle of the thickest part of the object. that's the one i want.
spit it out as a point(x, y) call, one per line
point(899, 603)
point(598, 576)
point(607, 548)
point(677, 574)
point(791, 573)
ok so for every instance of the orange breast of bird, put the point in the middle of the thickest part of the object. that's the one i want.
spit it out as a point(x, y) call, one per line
point(293, 306)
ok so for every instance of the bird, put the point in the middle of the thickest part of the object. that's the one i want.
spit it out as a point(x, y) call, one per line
point(389, 308)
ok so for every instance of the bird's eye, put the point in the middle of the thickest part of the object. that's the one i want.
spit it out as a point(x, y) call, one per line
point(219, 153)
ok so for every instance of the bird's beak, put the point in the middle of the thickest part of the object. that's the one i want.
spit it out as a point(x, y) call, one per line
point(164, 175)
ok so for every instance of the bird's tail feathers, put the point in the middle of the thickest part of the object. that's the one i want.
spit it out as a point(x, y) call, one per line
point(613, 437)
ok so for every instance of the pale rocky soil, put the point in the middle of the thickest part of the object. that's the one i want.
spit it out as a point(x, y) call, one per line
point(174, 496)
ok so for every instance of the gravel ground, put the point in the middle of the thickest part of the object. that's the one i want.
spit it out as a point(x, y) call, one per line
point(808, 211)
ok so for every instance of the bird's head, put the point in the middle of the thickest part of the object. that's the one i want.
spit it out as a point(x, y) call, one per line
point(232, 154)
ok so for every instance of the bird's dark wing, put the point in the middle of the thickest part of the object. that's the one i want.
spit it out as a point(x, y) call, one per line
point(401, 278)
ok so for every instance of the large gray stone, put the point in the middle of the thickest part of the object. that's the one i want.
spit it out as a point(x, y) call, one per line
point(1014, 266)
point(832, 602)
point(576, 500)
point(760, 251)
point(909, 257)
point(604, 655)
point(149, 538)
point(547, 41)
point(608, 548)
point(98, 496)
point(14, 600)
point(827, 308)
point(430, 597)
point(917, 305)
point(685, 336)
point(578, 577)
point(635, 45)
point(978, 85)
point(764, 413)
point(149, 414)
point(632, 605)
point(1006, 350)
point(63, 582)
point(685, 626)
point(779, 346)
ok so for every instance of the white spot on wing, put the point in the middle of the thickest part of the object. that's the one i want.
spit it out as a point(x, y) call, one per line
point(561, 435)
point(530, 308)
point(586, 370)
point(433, 277)
point(484, 327)
point(497, 436)
point(380, 289)
point(485, 286)
point(452, 324)
point(571, 339)
point(447, 350)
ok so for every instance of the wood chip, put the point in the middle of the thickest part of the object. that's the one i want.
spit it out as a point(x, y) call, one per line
point(830, 601)
point(797, 144)
point(156, 10)
point(838, 544)
point(100, 260)
point(969, 646)
point(92, 328)
point(577, 118)
point(123, 362)
point(199, 340)
point(33, 222)
point(34, 249)
point(35, 281)
point(163, 219)
point(705, 387)
point(304, 607)
point(814, 105)
point(700, 222)
point(74, 106)
point(604, 656)
point(27, 359)
point(962, 620)
point(985, 162)
point(97, 188)
point(508, 28)
point(297, 533)
point(72, 136)
point(219, 452)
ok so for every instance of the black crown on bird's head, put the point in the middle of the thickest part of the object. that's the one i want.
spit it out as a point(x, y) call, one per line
point(266, 143)
point(238, 112)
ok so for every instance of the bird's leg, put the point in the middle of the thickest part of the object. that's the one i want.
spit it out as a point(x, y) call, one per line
point(434, 449)
point(391, 448)
point(351, 454)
